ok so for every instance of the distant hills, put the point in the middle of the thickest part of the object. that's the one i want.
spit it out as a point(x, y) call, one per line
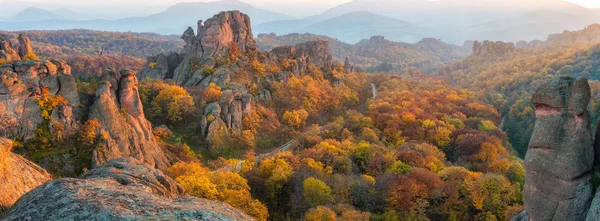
point(377, 54)
point(352, 27)
point(452, 21)
point(173, 20)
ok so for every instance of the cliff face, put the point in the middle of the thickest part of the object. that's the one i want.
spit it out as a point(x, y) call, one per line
point(17, 176)
point(561, 155)
point(23, 84)
point(119, 111)
point(122, 189)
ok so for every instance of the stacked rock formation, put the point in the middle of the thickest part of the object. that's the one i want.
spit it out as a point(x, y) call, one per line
point(17, 176)
point(560, 157)
point(119, 111)
point(122, 189)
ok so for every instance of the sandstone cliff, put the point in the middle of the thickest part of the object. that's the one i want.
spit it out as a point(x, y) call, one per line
point(23, 84)
point(119, 111)
point(561, 155)
point(122, 189)
point(17, 176)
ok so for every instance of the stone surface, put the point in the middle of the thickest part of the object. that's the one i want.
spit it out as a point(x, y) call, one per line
point(22, 84)
point(25, 46)
point(119, 111)
point(560, 157)
point(17, 176)
point(7, 51)
point(123, 189)
point(522, 216)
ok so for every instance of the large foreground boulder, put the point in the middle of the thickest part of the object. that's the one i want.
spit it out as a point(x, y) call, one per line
point(123, 189)
point(17, 176)
point(560, 158)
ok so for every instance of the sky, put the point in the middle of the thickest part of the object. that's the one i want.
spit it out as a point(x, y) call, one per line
point(298, 8)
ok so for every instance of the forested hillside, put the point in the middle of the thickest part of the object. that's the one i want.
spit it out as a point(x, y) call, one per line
point(506, 77)
point(90, 52)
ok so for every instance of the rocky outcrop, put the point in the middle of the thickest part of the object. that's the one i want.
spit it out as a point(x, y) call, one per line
point(25, 47)
point(122, 189)
point(17, 176)
point(560, 157)
point(23, 84)
point(161, 66)
point(227, 113)
point(302, 56)
point(492, 48)
point(119, 111)
point(8, 53)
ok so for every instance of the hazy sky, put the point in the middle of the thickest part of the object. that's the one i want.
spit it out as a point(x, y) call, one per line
point(297, 8)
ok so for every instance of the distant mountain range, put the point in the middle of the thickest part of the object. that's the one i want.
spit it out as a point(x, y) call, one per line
point(452, 21)
point(174, 20)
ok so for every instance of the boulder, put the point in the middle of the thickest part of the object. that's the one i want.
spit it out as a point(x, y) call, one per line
point(119, 111)
point(560, 158)
point(17, 176)
point(122, 189)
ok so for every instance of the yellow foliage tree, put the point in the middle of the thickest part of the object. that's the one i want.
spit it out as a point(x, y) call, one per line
point(315, 191)
point(295, 118)
point(212, 93)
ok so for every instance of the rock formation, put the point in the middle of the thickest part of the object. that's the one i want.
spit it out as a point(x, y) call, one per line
point(25, 46)
point(304, 54)
point(119, 111)
point(122, 189)
point(17, 176)
point(7, 52)
point(22, 84)
point(205, 60)
point(560, 158)
point(491, 48)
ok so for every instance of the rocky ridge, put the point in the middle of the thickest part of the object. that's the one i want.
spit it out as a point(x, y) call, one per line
point(122, 189)
point(17, 176)
point(589, 35)
point(492, 48)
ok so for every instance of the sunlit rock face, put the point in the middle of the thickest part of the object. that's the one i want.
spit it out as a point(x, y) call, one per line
point(119, 111)
point(560, 157)
point(122, 189)
point(17, 176)
point(23, 84)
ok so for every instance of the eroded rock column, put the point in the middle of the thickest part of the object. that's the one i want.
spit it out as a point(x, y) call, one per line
point(560, 157)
